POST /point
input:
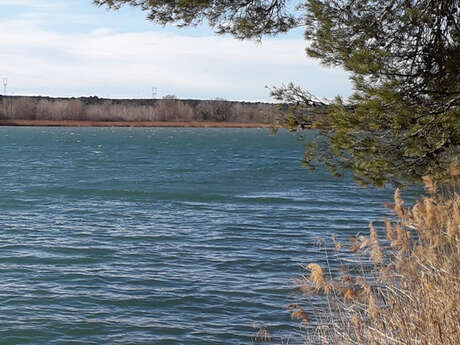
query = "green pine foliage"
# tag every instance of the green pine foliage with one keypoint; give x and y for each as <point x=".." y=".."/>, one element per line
<point x="241" y="18"/>
<point x="403" y="122"/>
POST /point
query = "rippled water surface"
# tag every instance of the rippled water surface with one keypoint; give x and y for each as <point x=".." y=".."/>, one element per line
<point x="161" y="236"/>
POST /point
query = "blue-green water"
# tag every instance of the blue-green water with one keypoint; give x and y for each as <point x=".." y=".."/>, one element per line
<point x="161" y="236"/>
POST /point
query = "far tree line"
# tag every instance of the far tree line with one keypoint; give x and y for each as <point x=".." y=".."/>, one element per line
<point x="166" y="109"/>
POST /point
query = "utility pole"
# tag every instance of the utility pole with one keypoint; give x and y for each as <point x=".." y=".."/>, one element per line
<point x="154" y="92"/>
<point x="5" y="84"/>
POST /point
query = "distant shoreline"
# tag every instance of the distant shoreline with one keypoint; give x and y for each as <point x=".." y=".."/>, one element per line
<point x="101" y="112"/>
<point x="74" y="123"/>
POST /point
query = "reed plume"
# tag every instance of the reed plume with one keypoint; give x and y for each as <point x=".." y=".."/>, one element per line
<point x="299" y="313"/>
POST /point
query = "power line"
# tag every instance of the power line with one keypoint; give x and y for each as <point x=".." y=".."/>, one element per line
<point x="5" y="84"/>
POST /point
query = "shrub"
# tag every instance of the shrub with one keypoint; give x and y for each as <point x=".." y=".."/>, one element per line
<point x="58" y="110"/>
<point x="173" y="110"/>
<point x="18" y="108"/>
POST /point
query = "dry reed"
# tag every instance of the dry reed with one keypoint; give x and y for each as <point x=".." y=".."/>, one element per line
<point x="412" y="294"/>
<point x="262" y="334"/>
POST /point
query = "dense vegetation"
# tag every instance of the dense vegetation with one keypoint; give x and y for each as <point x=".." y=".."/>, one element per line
<point x="169" y="109"/>
<point x="403" y="122"/>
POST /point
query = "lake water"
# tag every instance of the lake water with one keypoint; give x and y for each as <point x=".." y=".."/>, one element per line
<point x="161" y="236"/>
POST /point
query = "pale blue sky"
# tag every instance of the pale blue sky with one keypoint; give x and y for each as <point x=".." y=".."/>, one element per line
<point x="72" y="48"/>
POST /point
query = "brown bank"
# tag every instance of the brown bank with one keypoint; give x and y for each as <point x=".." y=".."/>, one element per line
<point x="75" y="123"/>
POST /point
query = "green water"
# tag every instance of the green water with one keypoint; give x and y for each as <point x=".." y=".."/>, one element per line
<point x="161" y="236"/>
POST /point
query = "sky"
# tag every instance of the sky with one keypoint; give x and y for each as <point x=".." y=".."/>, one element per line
<point x="72" y="48"/>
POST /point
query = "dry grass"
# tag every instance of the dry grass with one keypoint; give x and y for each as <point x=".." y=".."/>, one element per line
<point x="262" y="334"/>
<point x="411" y="295"/>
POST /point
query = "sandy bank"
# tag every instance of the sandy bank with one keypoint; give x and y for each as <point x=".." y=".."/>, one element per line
<point x="65" y="123"/>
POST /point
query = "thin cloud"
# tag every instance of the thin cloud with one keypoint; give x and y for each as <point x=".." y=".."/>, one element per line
<point x="33" y="3"/>
<point x="108" y="63"/>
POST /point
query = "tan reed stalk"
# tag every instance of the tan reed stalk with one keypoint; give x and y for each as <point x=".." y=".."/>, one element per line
<point x="416" y="298"/>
